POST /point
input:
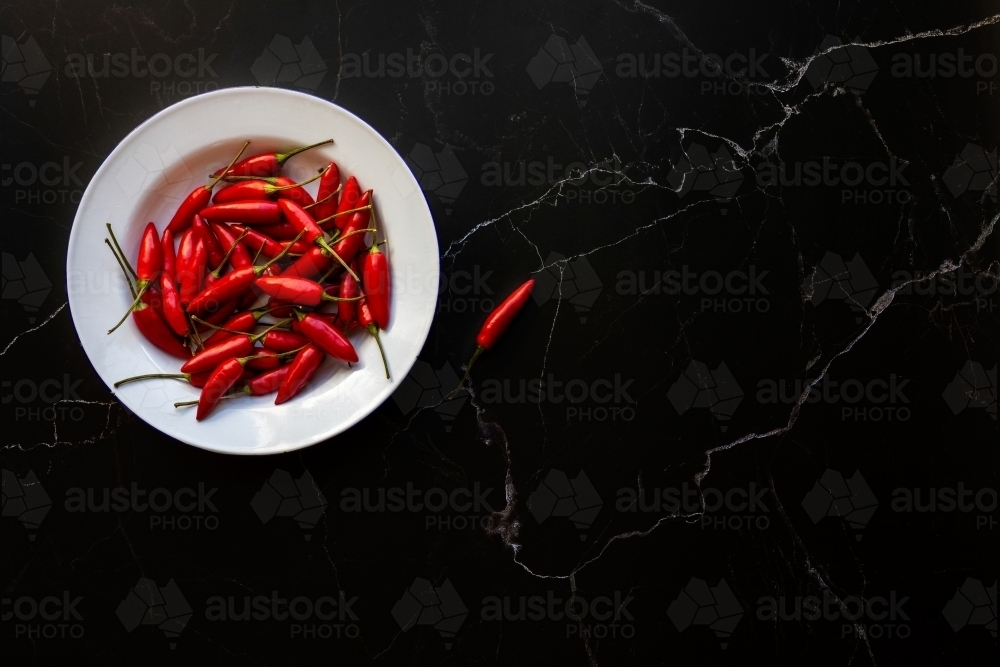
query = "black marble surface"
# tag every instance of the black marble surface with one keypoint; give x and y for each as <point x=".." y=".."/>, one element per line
<point x="707" y="242"/>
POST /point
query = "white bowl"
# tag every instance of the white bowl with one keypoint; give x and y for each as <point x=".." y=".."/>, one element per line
<point x="145" y="178"/>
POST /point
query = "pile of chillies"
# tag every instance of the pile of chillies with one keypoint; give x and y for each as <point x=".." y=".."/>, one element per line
<point x="198" y="288"/>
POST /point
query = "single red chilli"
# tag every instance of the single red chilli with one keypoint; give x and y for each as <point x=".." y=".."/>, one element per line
<point x="283" y="341"/>
<point x="173" y="309"/>
<point x="289" y="189"/>
<point x="150" y="261"/>
<point x="151" y="325"/>
<point x="265" y="164"/>
<point x="236" y="253"/>
<point x="212" y="247"/>
<point x="310" y="264"/>
<point x="197" y="200"/>
<point x="264" y="188"/>
<point x="350" y="242"/>
<point x="225" y="376"/>
<point x="299" y="218"/>
<point x="219" y="314"/>
<point x="300" y="247"/>
<point x="230" y="286"/>
<point x="325" y="336"/>
<point x="301" y="369"/>
<point x="148" y="268"/>
<point x="195" y="379"/>
<point x="236" y="324"/>
<point x="210" y="358"/>
<point x="169" y="254"/>
<point x="192" y="285"/>
<point x="264" y="360"/>
<point x="281" y="231"/>
<point x="258" y="242"/>
<point x="326" y="195"/>
<point x="367" y="321"/>
<point x="240" y="345"/>
<point x="349" y="199"/>
<point x="149" y="322"/>
<point x="185" y="252"/>
<point x="269" y="382"/>
<point x="496" y="324"/>
<point x="298" y="291"/>
<point x="347" y="289"/>
<point x="376" y="281"/>
<point x="247" y="212"/>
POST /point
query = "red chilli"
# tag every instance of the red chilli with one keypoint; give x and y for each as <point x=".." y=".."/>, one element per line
<point x="496" y="324"/>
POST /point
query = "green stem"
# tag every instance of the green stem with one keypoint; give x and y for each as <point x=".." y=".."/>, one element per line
<point x="226" y="170"/>
<point x="115" y="240"/>
<point x="152" y="376"/>
<point x="468" y="369"/>
<point x="142" y="290"/>
<point x="128" y="278"/>
<point x="281" y="157"/>
<point x="385" y="364"/>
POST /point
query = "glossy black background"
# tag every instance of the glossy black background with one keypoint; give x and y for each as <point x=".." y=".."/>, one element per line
<point x="638" y="225"/>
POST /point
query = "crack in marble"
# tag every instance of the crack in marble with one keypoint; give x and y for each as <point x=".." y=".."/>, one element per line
<point x="34" y="328"/>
